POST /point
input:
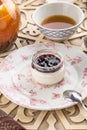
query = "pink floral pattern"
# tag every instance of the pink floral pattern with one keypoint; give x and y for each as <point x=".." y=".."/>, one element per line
<point x="17" y="85"/>
<point x="75" y="60"/>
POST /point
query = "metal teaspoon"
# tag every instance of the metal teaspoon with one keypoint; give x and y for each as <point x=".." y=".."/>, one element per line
<point x="74" y="96"/>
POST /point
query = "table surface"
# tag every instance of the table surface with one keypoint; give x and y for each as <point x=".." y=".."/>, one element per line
<point x="73" y="118"/>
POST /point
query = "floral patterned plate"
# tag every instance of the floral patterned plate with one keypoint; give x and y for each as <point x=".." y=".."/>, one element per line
<point x="17" y="85"/>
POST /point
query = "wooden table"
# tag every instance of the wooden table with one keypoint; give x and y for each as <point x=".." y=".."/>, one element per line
<point x="73" y="118"/>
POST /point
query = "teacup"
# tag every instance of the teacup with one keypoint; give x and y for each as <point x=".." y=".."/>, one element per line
<point x="58" y="8"/>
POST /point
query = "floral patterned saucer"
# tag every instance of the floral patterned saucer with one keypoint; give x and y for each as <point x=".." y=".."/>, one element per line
<point x="17" y="85"/>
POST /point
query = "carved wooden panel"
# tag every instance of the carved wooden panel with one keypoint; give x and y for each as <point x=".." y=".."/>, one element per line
<point x="74" y="118"/>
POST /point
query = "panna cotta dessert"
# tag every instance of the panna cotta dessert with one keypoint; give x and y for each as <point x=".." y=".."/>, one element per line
<point x="47" y="67"/>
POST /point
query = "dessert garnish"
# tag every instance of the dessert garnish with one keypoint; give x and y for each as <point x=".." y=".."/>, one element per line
<point x="47" y="62"/>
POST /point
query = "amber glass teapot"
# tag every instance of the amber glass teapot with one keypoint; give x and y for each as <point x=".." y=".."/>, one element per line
<point x="9" y="23"/>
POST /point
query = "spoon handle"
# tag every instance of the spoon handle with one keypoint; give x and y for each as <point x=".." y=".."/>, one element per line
<point x="85" y="108"/>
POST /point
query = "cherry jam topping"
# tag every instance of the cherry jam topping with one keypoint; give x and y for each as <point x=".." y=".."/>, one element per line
<point x="47" y="60"/>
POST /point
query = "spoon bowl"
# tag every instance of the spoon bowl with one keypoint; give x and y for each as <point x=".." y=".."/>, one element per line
<point x="74" y="96"/>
